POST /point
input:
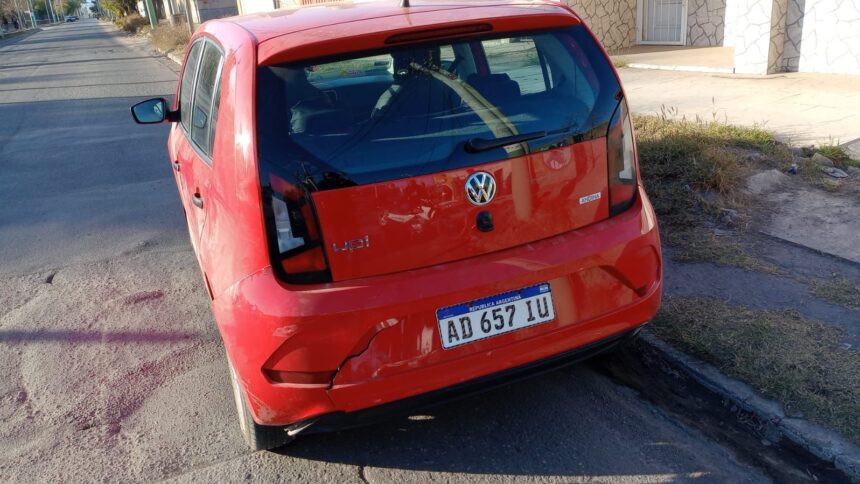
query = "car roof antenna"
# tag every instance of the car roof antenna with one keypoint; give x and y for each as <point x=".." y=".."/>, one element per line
<point x="404" y="3"/>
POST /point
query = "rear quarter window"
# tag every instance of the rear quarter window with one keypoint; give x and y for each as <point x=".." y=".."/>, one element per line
<point x="186" y="85"/>
<point x="205" y="106"/>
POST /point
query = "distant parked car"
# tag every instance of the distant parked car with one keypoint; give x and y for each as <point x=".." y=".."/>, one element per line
<point x="71" y="18"/>
<point x="394" y="205"/>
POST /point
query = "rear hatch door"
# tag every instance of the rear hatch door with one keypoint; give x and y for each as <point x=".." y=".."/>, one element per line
<point x="386" y="143"/>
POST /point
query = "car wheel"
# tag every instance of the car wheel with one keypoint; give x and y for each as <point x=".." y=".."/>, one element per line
<point x="258" y="437"/>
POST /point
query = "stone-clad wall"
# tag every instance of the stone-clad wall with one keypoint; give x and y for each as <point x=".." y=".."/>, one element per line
<point x="706" y="22"/>
<point x="823" y="36"/>
<point x="768" y="35"/>
<point x="793" y="34"/>
<point x="613" y="21"/>
<point x="776" y="51"/>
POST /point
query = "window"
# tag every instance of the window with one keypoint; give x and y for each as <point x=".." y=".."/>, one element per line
<point x="416" y="109"/>
<point x="186" y="87"/>
<point x="322" y="74"/>
<point x="204" y="111"/>
<point x="214" y="117"/>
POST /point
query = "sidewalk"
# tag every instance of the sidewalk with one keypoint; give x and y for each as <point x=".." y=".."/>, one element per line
<point x="799" y="108"/>
<point x="678" y="58"/>
<point x="14" y="34"/>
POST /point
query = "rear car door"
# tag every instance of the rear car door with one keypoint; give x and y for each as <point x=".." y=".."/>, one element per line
<point x="177" y="144"/>
<point x="199" y="100"/>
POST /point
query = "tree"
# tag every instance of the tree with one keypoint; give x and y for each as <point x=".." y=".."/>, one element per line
<point x="40" y="8"/>
<point x="119" y="8"/>
<point x="7" y="9"/>
<point x="71" y="6"/>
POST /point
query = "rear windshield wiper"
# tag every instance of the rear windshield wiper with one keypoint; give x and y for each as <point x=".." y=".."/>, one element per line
<point x="477" y="145"/>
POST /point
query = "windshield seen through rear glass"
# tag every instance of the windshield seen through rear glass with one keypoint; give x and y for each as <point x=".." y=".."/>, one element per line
<point x="421" y="109"/>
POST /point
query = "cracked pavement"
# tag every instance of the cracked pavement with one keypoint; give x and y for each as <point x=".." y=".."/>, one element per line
<point x="112" y="367"/>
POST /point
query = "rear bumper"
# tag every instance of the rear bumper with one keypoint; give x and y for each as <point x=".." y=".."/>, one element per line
<point x="345" y="420"/>
<point x="375" y="341"/>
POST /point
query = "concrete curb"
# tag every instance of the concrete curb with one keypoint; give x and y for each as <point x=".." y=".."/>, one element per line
<point x="14" y="37"/>
<point x="705" y="69"/>
<point x="177" y="58"/>
<point x="819" y="441"/>
<point x="820" y="252"/>
<point x="17" y="33"/>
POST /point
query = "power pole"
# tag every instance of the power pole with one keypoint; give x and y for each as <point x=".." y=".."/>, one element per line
<point x="32" y="14"/>
<point x="20" y="18"/>
<point x="150" y="14"/>
<point x="188" y="16"/>
<point x="50" y="11"/>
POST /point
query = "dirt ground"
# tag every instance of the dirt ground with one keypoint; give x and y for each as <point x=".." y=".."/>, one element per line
<point x="800" y="270"/>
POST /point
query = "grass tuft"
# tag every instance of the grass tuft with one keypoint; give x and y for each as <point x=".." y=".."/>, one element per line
<point x="839" y="290"/>
<point x="132" y="23"/>
<point x="694" y="172"/>
<point x="802" y="363"/>
<point x="171" y="37"/>
<point x="837" y="155"/>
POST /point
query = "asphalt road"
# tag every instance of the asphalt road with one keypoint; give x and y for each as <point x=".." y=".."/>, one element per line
<point x="111" y="368"/>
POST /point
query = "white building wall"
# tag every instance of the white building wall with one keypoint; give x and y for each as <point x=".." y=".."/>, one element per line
<point x="255" y="6"/>
<point x="823" y="36"/>
<point x="748" y="28"/>
<point x="212" y="9"/>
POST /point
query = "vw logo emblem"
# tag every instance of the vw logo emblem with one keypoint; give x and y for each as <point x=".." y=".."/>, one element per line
<point x="480" y="188"/>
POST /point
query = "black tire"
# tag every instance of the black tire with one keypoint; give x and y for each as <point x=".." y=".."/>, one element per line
<point x="258" y="437"/>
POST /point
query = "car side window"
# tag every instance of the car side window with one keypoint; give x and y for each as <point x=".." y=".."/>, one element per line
<point x="186" y="86"/>
<point x="206" y="99"/>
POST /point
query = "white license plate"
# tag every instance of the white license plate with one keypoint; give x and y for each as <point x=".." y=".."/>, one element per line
<point x="494" y="315"/>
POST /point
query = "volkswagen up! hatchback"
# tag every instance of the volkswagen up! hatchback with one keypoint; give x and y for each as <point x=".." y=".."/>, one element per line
<point x="396" y="205"/>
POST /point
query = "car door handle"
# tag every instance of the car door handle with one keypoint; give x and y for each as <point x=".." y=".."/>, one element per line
<point x="197" y="200"/>
<point x="176" y="165"/>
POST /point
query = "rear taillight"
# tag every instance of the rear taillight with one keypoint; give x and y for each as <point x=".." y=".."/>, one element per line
<point x="294" y="236"/>
<point x="621" y="160"/>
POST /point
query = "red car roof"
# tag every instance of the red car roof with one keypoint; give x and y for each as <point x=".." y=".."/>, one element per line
<point x="267" y="25"/>
<point x="303" y="29"/>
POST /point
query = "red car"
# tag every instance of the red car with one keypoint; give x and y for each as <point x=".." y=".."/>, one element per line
<point x="396" y="205"/>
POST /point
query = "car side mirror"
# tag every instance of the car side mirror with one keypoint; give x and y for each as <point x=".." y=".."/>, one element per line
<point x="152" y="111"/>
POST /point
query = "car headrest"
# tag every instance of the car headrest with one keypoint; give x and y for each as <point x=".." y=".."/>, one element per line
<point x="497" y="88"/>
<point x="426" y="56"/>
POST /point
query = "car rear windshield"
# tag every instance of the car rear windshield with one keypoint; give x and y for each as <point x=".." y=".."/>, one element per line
<point x="419" y="109"/>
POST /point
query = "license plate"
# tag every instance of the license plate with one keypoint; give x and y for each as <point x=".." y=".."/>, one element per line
<point x="494" y="315"/>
